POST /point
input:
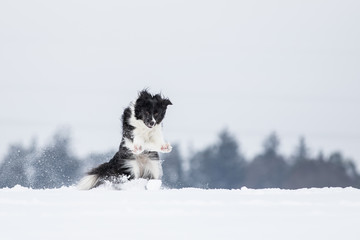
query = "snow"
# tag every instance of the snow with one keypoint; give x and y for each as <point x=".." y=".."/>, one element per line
<point x="67" y="213"/>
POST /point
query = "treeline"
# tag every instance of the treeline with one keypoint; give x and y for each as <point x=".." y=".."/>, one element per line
<point x="221" y="165"/>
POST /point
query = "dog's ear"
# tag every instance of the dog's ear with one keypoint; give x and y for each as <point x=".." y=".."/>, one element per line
<point x="144" y="94"/>
<point x="166" y="102"/>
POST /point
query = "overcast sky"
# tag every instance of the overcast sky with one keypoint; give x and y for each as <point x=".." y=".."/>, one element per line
<point x="252" y="66"/>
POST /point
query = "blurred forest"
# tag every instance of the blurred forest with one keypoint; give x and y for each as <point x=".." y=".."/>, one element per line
<point x="221" y="165"/>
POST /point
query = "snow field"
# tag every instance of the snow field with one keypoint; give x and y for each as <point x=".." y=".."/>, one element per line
<point x="66" y="213"/>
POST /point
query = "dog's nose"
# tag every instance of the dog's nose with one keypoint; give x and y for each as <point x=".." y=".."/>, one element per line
<point x="152" y="123"/>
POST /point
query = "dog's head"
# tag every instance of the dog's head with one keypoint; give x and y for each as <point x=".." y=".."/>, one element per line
<point x="151" y="109"/>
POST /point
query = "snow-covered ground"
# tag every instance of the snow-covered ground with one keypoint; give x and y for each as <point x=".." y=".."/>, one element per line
<point x="67" y="213"/>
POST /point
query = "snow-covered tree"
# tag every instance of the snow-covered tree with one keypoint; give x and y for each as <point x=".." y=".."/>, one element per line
<point x="302" y="152"/>
<point x="16" y="166"/>
<point x="218" y="166"/>
<point x="268" y="169"/>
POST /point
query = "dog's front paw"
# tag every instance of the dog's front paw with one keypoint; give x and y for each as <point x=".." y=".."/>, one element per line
<point x="137" y="149"/>
<point x="166" y="148"/>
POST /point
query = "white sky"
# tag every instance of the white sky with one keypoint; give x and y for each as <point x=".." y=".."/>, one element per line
<point x="253" y="66"/>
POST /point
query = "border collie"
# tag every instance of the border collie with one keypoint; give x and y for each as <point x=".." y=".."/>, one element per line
<point x="141" y="141"/>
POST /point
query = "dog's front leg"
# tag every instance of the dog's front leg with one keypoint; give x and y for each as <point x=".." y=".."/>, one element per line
<point x="136" y="145"/>
<point x="157" y="143"/>
<point x="158" y="147"/>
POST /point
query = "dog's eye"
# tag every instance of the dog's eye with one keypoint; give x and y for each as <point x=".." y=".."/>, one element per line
<point x="156" y="114"/>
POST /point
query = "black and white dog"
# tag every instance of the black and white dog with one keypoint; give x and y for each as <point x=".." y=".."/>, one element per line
<point x="141" y="141"/>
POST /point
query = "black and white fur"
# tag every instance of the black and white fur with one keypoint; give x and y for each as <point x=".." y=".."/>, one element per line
<point x="141" y="141"/>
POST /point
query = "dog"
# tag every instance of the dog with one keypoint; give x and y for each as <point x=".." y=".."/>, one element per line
<point x="142" y="140"/>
